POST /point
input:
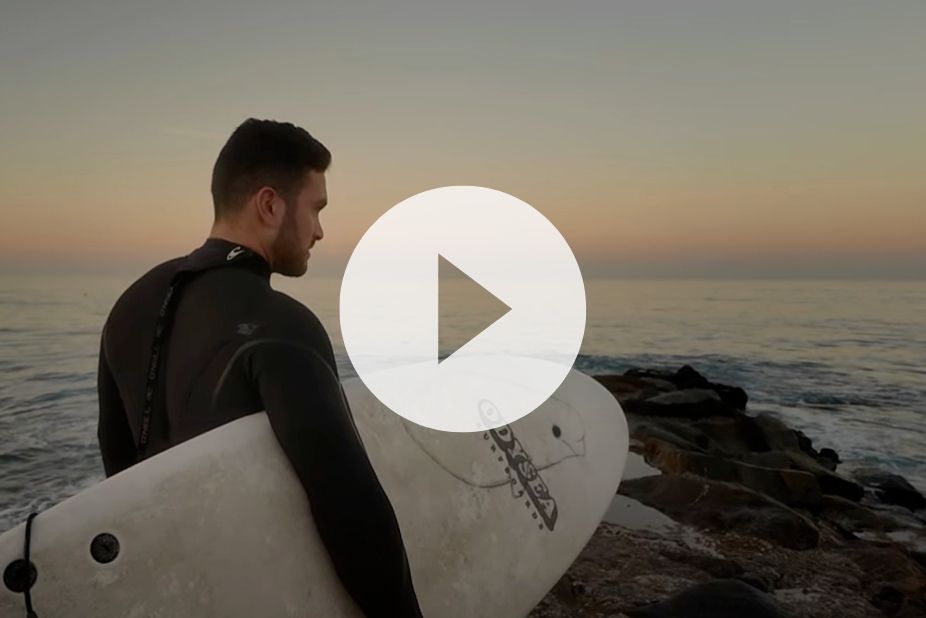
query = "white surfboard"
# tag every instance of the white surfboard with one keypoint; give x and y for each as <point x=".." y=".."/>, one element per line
<point x="490" y="520"/>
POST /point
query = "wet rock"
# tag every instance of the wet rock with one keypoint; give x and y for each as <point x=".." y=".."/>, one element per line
<point x="689" y="403"/>
<point x="727" y="598"/>
<point x="788" y="486"/>
<point x="888" y="599"/>
<point x="805" y="444"/>
<point x="688" y="396"/>
<point x="622" y="569"/>
<point x="776" y="435"/>
<point x="852" y="517"/>
<point x="760" y="583"/>
<point x="828" y="458"/>
<point x="680" y="434"/>
<point x="891" y="488"/>
<point x="770" y="509"/>
<point x="896" y="583"/>
<point x="713" y="565"/>
<point x="717" y="505"/>
<point x="733" y="436"/>
<point x="630" y="388"/>
<point x="830" y="482"/>
<point x="686" y="377"/>
<point x="771" y="459"/>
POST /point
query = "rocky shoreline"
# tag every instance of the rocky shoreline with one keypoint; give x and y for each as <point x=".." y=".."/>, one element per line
<point x="723" y="513"/>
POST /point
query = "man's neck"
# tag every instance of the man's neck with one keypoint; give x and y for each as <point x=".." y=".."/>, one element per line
<point x="239" y="237"/>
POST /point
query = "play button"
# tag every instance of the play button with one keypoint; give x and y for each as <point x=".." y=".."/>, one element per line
<point x="476" y="298"/>
<point x="521" y="287"/>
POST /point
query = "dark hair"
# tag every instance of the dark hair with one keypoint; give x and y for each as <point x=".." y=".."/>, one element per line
<point x="264" y="153"/>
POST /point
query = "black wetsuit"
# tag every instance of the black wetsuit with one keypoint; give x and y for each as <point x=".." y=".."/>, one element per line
<point x="230" y="346"/>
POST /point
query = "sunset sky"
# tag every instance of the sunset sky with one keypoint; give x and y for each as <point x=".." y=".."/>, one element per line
<point x="686" y="138"/>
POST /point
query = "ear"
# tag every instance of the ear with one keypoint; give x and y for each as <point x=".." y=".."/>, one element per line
<point x="270" y="207"/>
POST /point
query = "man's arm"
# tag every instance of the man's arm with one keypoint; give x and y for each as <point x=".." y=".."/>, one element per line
<point x="117" y="446"/>
<point x="355" y="520"/>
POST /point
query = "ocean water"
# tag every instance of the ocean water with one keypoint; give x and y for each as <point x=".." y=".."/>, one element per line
<point x="845" y="361"/>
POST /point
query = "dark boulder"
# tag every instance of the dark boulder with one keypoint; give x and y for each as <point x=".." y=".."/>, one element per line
<point x="793" y="487"/>
<point x="686" y="377"/>
<point x="630" y="388"/>
<point x="677" y="433"/>
<point x="733" y="435"/>
<point x="775" y="434"/>
<point x="830" y="482"/>
<point x="852" y="517"/>
<point x="717" y="505"/>
<point x="726" y="598"/>
<point x="889" y="600"/>
<point x="891" y="488"/>
<point x="828" y="458"/>
<point x="896" y="583"/>
<point x="687" y="403"/>
<point x="805" y="444"/>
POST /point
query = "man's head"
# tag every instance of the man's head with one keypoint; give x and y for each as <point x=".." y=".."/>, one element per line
<point x="268" y="186"/>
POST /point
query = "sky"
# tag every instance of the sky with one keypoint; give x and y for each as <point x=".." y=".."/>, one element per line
<point x="666" y="139"/>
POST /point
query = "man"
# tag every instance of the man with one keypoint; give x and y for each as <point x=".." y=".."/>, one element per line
<point x="202" y="340"/>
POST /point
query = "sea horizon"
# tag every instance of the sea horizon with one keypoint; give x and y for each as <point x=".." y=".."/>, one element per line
<point x="841" y="360"/>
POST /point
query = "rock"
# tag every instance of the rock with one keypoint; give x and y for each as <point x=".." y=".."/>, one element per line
<point x="828" y="458"/>
<point x="661" y="385"/>
<point x="733" y="436"/>
<point x="852" y="517"/>
<point x="681" y="434"/>
<point x="788" y="486"/>
<point x="716" y="567"/>
<point x="636" y="467"/>
<point x="772" y="459"/>
<point x="830" y="482"/>
<point x="687" y="377"/>
<point x="888" y="599"/>
<point x="733" y="395"/>
<point x="629" y="388"/>
<point x="725" y="598"/>
<point x="632" y="515"/>
<point x="621" y="570"/>
<point x="891" y="488"/>
<point x="762" y="584"/>
<point x="896" y="584"/>
<point x="776" y="435"/>
<point x="718" y="505"/>
<point x="688" y="396"/>
<point x="689" y="403"/>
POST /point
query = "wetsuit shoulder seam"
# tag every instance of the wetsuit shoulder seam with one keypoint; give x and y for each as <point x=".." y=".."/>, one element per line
<point x="254" y="343"/>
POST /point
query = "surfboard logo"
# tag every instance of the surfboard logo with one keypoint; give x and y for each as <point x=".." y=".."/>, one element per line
<point x="526" y="481"/>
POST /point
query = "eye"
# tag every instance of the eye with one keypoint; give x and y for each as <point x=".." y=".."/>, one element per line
<point x="556" y="431"/>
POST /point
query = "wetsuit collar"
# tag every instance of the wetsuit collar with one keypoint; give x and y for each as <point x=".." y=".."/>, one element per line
<point x="218" y="252"/>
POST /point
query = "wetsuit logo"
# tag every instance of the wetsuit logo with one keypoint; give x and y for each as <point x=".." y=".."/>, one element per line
<point x="234" y="253"/>
<point x="246" y="328"/>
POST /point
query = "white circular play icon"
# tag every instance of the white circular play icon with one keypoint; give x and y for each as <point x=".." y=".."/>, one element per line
<point x="390" y="308"/>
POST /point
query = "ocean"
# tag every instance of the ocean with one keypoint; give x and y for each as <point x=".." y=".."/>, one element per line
<point x="844" y="361"/>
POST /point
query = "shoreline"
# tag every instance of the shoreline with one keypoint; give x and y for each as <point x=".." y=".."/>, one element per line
<point x="720" y="508"/>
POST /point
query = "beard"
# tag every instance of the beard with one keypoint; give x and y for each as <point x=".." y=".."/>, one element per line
<point x="289" y="257"/>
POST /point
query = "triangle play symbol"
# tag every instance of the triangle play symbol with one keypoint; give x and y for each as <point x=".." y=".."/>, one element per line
<point x="464" y="308"/>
